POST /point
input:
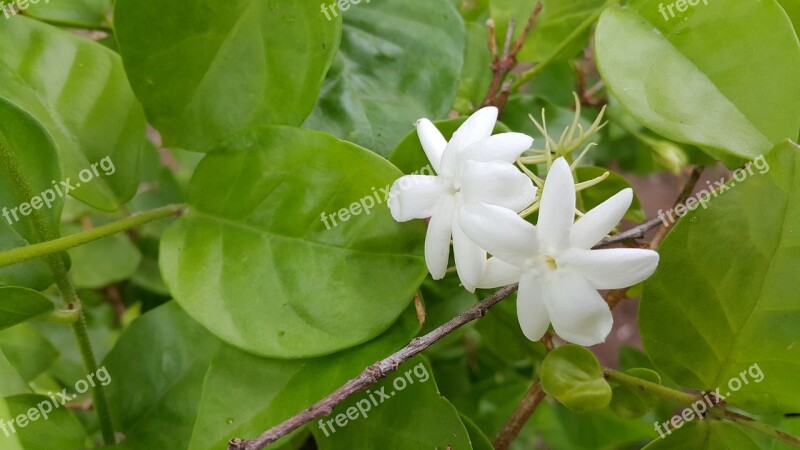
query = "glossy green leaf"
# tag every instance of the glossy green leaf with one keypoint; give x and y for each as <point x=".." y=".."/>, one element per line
<point x="691" y="83"/>
<point x="478" y="440"/>
<point x="729" y="274"/>
<point x="58" y="428"/>
<point x="19" y="304"/>
<point x="78" y="90"/>
<point x="404" y="412"/>
<point x="94" y="14"/>
<point x="475" y="78"/>
<point x="599" y="193"/>
<point x="792" y="9"/>
<point x="574" y="377"/>
<point x="195" y="392"/>
<point x="631" y="403"/>
<point x="205" y="70"/>
<point x="289" y="249"/>
<point x="24" y="174"/>
<point x="27" y="350"/>
<point x="705" y="435"/>
<point x="100" y="263"/>
<point x="397" y="63"/>
<point x="557" y="20"/>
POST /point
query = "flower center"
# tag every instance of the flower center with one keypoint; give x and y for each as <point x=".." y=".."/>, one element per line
<point x="551" y="263"/>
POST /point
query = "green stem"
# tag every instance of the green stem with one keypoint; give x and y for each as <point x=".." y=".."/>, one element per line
<point x="648" y="387"/>
<point x="23" y="254"/>
<point x="753" y="424"/>
<point x="585" y="25"/>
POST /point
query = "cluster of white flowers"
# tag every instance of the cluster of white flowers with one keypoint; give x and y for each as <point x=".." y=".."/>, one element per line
<point x="475" y="199"/>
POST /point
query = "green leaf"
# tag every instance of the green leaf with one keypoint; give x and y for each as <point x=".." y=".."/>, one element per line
<point x="631" y="403"/>
<point x="574" y="377"/>
<point x="24" y="174"/>
<point x="379" y="417"/>
<point x="599" y="193"/>
<point x="792" y="8"/>
<point x="13" y="383"/>
<point x="705" y="435"/>
<point x="555" y="23"/>
<point x="45" y="426"/>
<point x="19" y="304"/>
<point x="397" y="64"/>
<point x="195" y="392"/>
<point x="728" y="273"/>
<point x="478" y="440"/>
<point x="685" y="80"/>
<point x="205" y="70"/>
<point x="27" y="350"/>
<point x="73" y="13"/>
<point x="260" y="261"/>
<point x="103" y="262"/>
<point x="475" y="76"/>
<point x="78" y="90"/>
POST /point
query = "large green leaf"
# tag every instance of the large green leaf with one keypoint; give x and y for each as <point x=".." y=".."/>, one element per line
<point x="13" y="383"/>
<point x="73" y="13"/>
<point x="689" y="81"/>
<point x="25" y="174"/>
<point x="205" y="69"/>
<point x="27" y="350"/>
<point x="45" y="426"/>
<point x="100" y="263"/>
<point x="399" y="61"/>
<point x="404" y="412"/>
<point x="728" y="275"/>
<point x="193" y="391"/>
<point x="19" y="304"/>
<point x="261" y="263"/>
<point x="78" y="90"/>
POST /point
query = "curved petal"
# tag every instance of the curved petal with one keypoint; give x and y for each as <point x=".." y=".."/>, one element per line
<point x="531" y="311"/>
<point x="499" y="273"/>
<point x="611" y="268"/>
<point x="597" y="223"/>
<point x="437" y="241"/>
<point x="470" y="258"/>
<point x="578" y="312"/>
<point x="416" y="196"/>
<point x="500" y="147"/>
<point x="557" y="210"/>
<point x="478" y="126"/>
<point x="496" y="183"/>
<point x="500" y="232"/>
<point x="432" y="142"/>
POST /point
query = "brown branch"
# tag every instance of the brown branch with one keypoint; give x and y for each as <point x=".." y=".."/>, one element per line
<point x="371" y="374"/>
<point x="497" y="95"/>
<point x="533" y="397"/>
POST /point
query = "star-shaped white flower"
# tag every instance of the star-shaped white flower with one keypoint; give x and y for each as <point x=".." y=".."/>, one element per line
<point x="473" y="168"/>
<point x="557" y="271"/>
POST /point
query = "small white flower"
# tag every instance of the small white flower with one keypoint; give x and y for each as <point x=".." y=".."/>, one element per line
<point x="473" y="168"/>
<point x="557" y="271"/>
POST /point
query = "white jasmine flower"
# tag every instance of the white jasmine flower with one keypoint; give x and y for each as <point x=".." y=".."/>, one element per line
<point x="557" y="271"/>
<point x="473" y="168"/>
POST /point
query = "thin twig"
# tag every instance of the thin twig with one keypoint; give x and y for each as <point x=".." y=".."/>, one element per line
<point x="371" y="374"/>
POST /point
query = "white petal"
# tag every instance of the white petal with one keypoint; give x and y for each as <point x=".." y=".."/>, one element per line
<point x="437" y="241"/>
<point x="611" y="268"/>
<point x="531" y="311"/>
<point x="578" y="312"/>
<point x="478" y="126"/>
<point x="432" y="142"/>
<point x="557" y="210"/>
<point x="499" y="273"/>
<point x="500" y="232"/>
<point x="500" y="147"/>
<point x="416" y="196"/>
<point x="597" y="223"/>
<point x="497" y="183"/>
<point x="470" y="258"/>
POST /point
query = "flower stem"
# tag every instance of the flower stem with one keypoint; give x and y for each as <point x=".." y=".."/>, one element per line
<point x="648" y="387"/>
<point x="585" y="25"/>
<point x="23" y="254"/>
